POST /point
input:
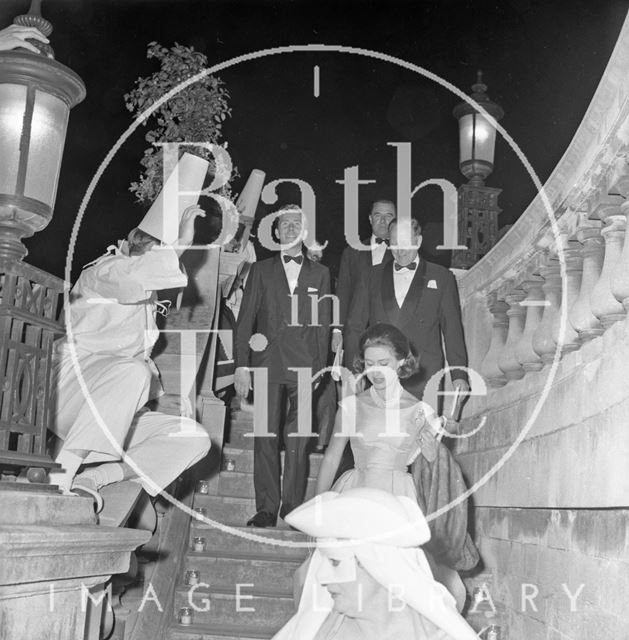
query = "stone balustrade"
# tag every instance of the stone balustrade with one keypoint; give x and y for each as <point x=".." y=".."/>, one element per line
<point x="555" y="289"/>
<point x="534" y="305"/>
<point x="564" y="334"/>
<point x="604" y="304"/>
<point x="489" y="369"/>
<point x="544" y="446"/>
<point x="580" y="290"/>
<point x="508" y="360"/>
<point x="542" y="339"/>
<point x="562" y="290"/>
<point x="620" y="277"/>
<point x="581" y="317"/>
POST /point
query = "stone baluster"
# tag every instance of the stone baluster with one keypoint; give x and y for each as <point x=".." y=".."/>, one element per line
<point x="566" y="336"/>
<point x="604" y="304"/>
<point x="543" y="342"/>
<point x="587" y="325"/>
<point x="489" y="369"/>
<point x="508" y="360"/>
<point x="620" y="277"/>
<point x="534" y="305"/>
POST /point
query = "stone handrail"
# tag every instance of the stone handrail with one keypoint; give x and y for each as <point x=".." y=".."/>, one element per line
<point x="588" y="171"/>
<point x="545" y="321"/>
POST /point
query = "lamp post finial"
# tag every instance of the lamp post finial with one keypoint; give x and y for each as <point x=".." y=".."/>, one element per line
<point x="35" y="19"/>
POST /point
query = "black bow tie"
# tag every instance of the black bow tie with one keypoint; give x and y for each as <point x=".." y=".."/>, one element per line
<point x="297" y="259"/>
<point x="381" y="240"/>
<point x="411" y="266"/>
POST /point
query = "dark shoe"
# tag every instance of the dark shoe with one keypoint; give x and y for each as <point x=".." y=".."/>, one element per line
<point x="262" y="519"/>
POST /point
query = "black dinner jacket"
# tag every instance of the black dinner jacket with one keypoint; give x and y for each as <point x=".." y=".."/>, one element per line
<point x="354" y="265"/>
<point x="431" y="308"/>
<point x="266" y="309"/>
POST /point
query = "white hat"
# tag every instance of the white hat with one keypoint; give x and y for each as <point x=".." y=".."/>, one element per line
<point x="359" y="516"/>
<point x="365" y="515"/>
<point x="249" y="197"/>
<point x="181" y="190"/>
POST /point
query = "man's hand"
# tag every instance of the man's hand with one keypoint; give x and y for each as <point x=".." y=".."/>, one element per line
<point x="242" y="381"/>
<point x="186" y="226"/>
<point x="337" y="341"/>
<point x="461" y="391"/>
<point x="174" y="405"/>
<point x="15" y="36"/>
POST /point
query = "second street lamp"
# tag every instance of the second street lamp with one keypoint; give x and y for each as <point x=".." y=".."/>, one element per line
<point x="36" y="95"/>
<point x="478" y="205"/>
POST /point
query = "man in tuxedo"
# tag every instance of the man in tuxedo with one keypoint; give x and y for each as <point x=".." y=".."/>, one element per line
<point x="355" y="263"/>
<point x="419" y="298"/>
<point x="278" y="310"/>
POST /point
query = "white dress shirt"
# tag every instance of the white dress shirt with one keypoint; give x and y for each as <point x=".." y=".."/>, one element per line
<point x="402" y="281"/>
<point x="292" y="270"/>
<point x="377" y="251"/>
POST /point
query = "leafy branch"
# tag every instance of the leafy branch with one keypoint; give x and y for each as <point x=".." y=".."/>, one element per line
<point x="194" y="114"/>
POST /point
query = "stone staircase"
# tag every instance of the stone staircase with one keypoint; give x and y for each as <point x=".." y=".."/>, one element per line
<point x="244" y="588"/>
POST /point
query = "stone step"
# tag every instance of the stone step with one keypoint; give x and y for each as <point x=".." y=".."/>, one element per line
<point x="219" y="632"/>
<point x="251" y="610"/>
<point x="233" y="512"/>
<point x="243" y="437"/>
<point x="270" y="577"/>
<point x="235" y="484"/>
<point x="243" y="459"/>
<point x="244" y="440"/>
<point x="230" y="511"/>
<point x="18" y="506"/>
<point x="229" y="543"/>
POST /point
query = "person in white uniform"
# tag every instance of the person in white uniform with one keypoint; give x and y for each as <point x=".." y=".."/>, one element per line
<point x="102" y="415"/>
<point x="368" y="578"/>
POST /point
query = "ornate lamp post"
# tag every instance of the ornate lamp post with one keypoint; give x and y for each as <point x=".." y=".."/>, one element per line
<point x="478" y="205"/>
<point x="36" y="95"/>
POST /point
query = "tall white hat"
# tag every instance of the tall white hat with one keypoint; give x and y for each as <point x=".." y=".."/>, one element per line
<point x="181" y="190"/>
<point x="247" y="201"/>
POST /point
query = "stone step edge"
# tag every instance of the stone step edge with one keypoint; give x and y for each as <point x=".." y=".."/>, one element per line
<point x="240" y="632"/>
<point x="228" y="591"/>
<point x="249" y="474"/>
<point x="232" y="524"/>
<point x="226" y="554"/>
<point x="229" y="448"/>
<point x="286" y="535"/>
<point x="292" y="533"/>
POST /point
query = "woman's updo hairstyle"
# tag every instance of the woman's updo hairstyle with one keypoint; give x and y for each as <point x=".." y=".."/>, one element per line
<point x="386" y="335"/>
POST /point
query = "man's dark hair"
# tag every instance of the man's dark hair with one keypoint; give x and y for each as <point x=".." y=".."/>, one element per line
<point x="382" y="197"/>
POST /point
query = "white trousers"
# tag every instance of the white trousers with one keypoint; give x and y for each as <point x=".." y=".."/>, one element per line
<point x="160" y="446"/>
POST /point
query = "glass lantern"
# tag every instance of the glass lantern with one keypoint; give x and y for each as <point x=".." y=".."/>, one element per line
<point x="477" y="135"/>
<point x="36" y="95"/>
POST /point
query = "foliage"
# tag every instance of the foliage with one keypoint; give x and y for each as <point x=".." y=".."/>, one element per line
<point x="194" y="114"/>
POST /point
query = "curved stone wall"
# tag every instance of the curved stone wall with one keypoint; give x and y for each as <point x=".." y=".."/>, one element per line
<point x="545" y="316"/>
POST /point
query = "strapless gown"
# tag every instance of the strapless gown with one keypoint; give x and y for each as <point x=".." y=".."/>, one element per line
<point x="384" y="441"/>
<point x="381" y="460"/>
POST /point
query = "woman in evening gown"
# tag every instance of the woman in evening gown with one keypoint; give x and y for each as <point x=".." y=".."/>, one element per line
<point x="387" y="428"/>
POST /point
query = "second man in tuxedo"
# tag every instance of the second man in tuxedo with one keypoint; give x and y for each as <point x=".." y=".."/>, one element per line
<point x="421" y="299"/>
<point x="356" y="264"/>
<point x="278" y="311"/>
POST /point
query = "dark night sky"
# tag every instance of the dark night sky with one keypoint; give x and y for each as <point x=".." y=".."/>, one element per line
<point x="542" y="61"/>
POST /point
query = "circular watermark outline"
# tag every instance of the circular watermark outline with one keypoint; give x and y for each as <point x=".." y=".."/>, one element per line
<point x="320" y="48"/>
